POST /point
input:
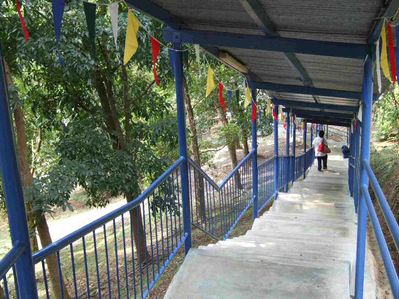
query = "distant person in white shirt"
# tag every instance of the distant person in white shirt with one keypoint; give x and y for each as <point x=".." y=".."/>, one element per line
<point x="320" y="155"/>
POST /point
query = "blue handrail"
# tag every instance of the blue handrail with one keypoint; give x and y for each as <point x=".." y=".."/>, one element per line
<point x="61" y="243"/>
<point x="387" y="212"/>
<point x="11" y="258"/>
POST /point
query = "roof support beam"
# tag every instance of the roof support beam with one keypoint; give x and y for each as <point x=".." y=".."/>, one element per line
<point x="299" y="105"/>
<point x="328" y="121"/>
<point x="277" y="44"/>
<point x="307" y="90"/>
<point x="256" y="11"/>
<point x="308" y="113"/>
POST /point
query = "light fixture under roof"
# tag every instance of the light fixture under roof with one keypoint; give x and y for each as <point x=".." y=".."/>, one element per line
<point x="233" y="62"/>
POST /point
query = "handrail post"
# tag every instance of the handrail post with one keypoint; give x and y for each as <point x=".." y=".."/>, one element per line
<point x="276" y="164"/>
<point x="351" y="161"/>
<point x="305" y="129"/>
<point x="14" y="198"/>
<point x="287" y="151"/>
<point x="293" y="147"/>
<point x="356" y="161"/>
<point x="367" y="102"/>
<point x="254" y="157"/>
<point x="181" y="121"/>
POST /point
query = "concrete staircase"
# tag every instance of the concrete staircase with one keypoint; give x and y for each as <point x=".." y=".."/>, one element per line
<point x="303" y="247"/>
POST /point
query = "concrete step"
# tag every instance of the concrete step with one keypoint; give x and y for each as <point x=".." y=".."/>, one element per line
<point x="204" y="276"/>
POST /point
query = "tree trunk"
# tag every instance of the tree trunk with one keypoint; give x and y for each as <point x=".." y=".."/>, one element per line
<point x="2" y="295"/>
<point x="34" y="219"/>
<point x="199" y="182"/>
<point x="51" y="260"/>
<point x="244" y="141"/>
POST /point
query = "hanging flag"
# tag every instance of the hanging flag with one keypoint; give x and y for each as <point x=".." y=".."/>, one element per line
<point x="248" y="97"/>
<point x="58" y="12"/>
<point x="221" y="99"/>
<point x="254" y="112"/>
<point x="384" y="57"/>
<point x="155" y="47"/>
<point x="378" y="66"/>
<point x="90" y="13"/>
<point x="275" y="117"/>
<point x="22" y="21"/>
<point x="210" y="82"/>
<point x="113" y="12"/>
<point x="397" y="49"/>
<point x="131" y="43"/>
<point x="283" y="121"/>
<point x="391" y="53"/>
<point x="230" y="100"/>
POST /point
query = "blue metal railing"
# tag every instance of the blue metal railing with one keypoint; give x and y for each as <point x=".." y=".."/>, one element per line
<point x="123" y="253"/>
<point x="216" y="209"/>
<point x="390" y="220"/>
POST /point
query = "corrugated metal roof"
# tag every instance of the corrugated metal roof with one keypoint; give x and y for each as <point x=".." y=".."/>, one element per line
<point x="334" y="20"/>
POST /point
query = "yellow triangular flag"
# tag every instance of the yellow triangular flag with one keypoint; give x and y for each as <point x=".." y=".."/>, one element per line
<point x="131" y="43"/>
<point x="384" y="54"/>
<point x="248" y="97"/>
<point x="210" y="82"/>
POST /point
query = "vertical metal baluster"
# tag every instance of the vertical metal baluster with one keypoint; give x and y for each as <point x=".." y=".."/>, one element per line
<point x="162" y="233"/>
<point x="45" y="279"/>
<point x="116" y="258"/>
<point x="166" y="227"/>
<point x="170" y="190"/>
<point x="97" y="269"/>
<point x="179" y="205"/>
<point x="125" y="257"/>
<point x="175" y="211"/>
<point x="195" y="218"/>
<point x="156" y="236"/>
<point x="107" y="261"/>
<point x="191" y="190"/>
<point x="141" y="207"/>
<point x="73" y="270"/>
<point x="5" y="284"/>
<point x="209" y="219"/>
<point x="151" y="243"/>
<point x="60" y="272"/>
<point x="15" y="282"/>
<point x="86" y="267"/>
<point x="133" y="259"/>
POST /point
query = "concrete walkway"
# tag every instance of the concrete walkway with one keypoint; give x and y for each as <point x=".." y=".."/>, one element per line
<point x="303" y="247"/>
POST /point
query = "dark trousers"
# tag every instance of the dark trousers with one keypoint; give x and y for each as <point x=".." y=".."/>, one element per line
<point x="319" y="159"/>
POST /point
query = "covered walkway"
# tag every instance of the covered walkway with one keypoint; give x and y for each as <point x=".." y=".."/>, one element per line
<point x="303" y="247"/>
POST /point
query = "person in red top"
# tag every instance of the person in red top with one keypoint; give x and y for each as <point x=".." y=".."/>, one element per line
<point x="321" y="157"/>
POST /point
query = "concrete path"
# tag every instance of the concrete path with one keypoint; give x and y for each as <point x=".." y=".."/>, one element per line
<point x="303" y="247"/>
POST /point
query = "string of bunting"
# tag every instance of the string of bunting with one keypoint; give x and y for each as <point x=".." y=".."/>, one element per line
<point x="131" y="46"/>
<point x="386" y="60"/>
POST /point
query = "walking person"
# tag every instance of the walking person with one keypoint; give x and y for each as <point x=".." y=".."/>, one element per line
<point x="320" y="146"/>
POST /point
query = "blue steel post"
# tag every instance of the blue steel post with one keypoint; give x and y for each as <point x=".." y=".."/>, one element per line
<point x="351" y="161"/>
<point x="367" y="102"/>
<point x="254" y="158"/>
<point x="356" y="161"/>
<point x="14" y="196"/>
<point x="293" y="147"/>
<point x="305" y="132"/>
<point x="287" y="151"/>
<point x="181" y="121"/>
<point x="276" y="166"/>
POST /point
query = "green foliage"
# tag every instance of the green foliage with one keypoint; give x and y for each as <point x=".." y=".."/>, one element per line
<point x="386" y="115"/>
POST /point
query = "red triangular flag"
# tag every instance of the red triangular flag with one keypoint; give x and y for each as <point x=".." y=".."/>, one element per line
<point x="275" y="113"/>
<point x="155" y="46"/>
<point x="23" y="24"/>
<point x="392" y="59"/>
<point x="221" y="99"/>
<point x="254" y="113"/>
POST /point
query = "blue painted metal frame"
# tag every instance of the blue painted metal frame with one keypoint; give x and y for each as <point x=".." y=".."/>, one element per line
<point x="305" y="132"/>
<point x="308" y="90"/>
<point x="181" y="122"/>
<point x="276" y="160"/>
<point x="367" y="101"/>
<point x="293" y="146"/>
<point x="11" y="258"/>
<point x="276" y="44"/>
<point x="301" y="104"/>
<point x="14" y="198"/>
<point x="287" y="150"/>
<point x="255" y="157"/>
